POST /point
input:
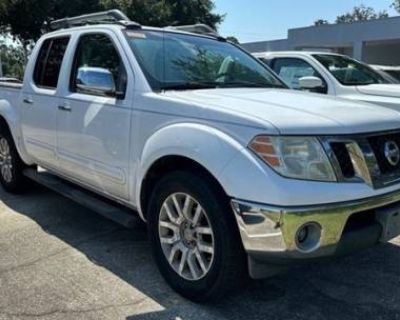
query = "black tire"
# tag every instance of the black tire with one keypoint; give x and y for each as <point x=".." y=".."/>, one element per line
<point x="17" y="183"/>
<point x="228" y="267"/>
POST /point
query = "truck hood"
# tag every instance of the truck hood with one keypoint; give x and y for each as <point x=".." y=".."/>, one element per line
<point x="290" y="112"/>
<point x="383" y="90"/>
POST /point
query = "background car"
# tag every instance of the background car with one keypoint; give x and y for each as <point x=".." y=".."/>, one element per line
<point x="333" y="74"/>
<point x="392" y="71"/>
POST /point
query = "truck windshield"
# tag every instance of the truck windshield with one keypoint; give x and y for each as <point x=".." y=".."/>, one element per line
<point x="173" y="61"/>
<point x="350" y="72"/>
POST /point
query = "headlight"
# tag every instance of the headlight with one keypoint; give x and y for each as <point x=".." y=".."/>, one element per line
<point x="294" y="157"/>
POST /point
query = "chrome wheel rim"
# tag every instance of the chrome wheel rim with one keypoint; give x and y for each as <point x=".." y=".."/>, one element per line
<point x="5" y="160"/>
<point x="186" y="236"/>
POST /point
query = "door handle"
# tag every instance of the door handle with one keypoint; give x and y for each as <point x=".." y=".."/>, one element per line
<point x="28" y="101"/>
<point x="65" y="108"/>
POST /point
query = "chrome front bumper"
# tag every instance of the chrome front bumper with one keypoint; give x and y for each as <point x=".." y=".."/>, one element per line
<point x="269" y="233"/>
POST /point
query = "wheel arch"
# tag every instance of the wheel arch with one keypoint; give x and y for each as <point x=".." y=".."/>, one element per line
<point x="8" y="117"/>
<point x="192" y="146"/>
<point x="168" y="164"/>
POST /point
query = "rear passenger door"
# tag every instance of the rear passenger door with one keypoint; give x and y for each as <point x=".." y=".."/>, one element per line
<point x="94" y="117"/>
<point x="40" y="101"/>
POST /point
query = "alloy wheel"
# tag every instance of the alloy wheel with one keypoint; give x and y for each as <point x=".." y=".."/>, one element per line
<point x="5" y="160"/>
<point x="186" y="236"/>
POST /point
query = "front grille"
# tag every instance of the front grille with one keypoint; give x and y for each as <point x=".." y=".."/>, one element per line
<point x="378" y="146"/>
<point x="344" y="160"/>
<point x="363" y="158"/>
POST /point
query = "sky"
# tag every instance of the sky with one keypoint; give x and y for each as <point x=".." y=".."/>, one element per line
<point x="257" y="20"/>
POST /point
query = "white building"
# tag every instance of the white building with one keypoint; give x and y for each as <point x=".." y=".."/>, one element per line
<point x="374" y="41"/>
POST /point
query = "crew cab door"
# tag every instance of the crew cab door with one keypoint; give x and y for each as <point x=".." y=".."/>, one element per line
<point x="94" y="117"/>
<point x="40" y="100"/>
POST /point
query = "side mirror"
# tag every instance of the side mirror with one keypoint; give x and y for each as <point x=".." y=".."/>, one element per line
<point x="311" y="83"/>
<point x="97" y="81"/>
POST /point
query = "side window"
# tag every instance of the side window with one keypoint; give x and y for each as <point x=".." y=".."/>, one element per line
<point x="292" y="69"/>
<point x="98" y="68"/>
<point x="49" y="61"/>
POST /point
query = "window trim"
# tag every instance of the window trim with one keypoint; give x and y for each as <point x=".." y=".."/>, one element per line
<point x="51" y="40"/>
<point x="73" y="72"/>
<point x="273" y="61"/>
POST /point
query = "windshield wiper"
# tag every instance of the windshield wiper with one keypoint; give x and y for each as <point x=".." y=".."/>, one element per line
<point x="191" y="85"/>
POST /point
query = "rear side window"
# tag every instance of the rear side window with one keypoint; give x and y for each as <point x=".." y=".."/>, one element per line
<point x="49" y="61"/>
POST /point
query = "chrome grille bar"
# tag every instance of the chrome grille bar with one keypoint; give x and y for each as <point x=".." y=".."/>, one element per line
<point x="363" y="160"/>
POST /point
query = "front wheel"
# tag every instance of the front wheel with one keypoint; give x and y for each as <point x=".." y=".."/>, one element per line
<point x="194" y="236"/>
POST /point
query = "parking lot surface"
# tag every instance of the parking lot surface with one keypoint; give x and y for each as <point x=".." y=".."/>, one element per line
<point x="59" y="260"/>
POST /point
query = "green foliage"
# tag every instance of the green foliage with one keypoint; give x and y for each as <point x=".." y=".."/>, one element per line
<point x="321" y="22"/>
<point x="361" y="13"/>
<point x="233" y="39"/>
<point x="25" y="18"/>
<point x="396" y="5"/>
<point x="13" y="58"/>
<point x="167" y="12"/>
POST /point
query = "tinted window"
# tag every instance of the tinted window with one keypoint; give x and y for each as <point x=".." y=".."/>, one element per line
<point x="350" y="72"/>
<point x="49" y="61"/>
<point x="98" y="68"/>
<point x="177" y="61"/>
<point x="292" y="69"/>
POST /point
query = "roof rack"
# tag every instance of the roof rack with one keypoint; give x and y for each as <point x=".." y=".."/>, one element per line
<point x="198" y="28"/>
<point x="111" y="16"/>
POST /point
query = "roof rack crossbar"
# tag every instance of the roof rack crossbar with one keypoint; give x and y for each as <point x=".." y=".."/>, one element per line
<point x="198" y="28"/>
<point x="111" y="16"/>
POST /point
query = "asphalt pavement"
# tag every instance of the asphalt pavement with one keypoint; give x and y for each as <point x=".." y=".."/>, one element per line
<point x="59" y="260"/>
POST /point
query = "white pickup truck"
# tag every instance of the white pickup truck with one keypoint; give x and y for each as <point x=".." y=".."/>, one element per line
<point x="333" y="74"/>
<point x="234" y="173"/>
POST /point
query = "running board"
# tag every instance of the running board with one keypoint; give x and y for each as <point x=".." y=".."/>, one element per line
<point x="108" y="209"/>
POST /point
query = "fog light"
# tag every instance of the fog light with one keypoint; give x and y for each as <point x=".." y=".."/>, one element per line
<point x="308" y="237"/>
<point x="302" y="235"/>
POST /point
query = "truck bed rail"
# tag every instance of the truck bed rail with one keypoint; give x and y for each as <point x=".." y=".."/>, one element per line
<point x="11" y="85"/>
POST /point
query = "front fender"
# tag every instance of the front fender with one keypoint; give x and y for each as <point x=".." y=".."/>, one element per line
<point x="208" y="146"/>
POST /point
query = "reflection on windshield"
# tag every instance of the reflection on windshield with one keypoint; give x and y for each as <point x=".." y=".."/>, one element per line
<point x="349" y="72"/>
<point x="178" y="61"/>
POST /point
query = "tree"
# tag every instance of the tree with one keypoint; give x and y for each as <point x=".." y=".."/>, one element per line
<point x="233" y="39"/>
<point x="162" y="13"/>
<point x="12" y="59"/>
<point x="396" y="5"/>
<point x="361" y="13"/>
<point x="24" y="18"/>
<point x="321" y="22"/>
